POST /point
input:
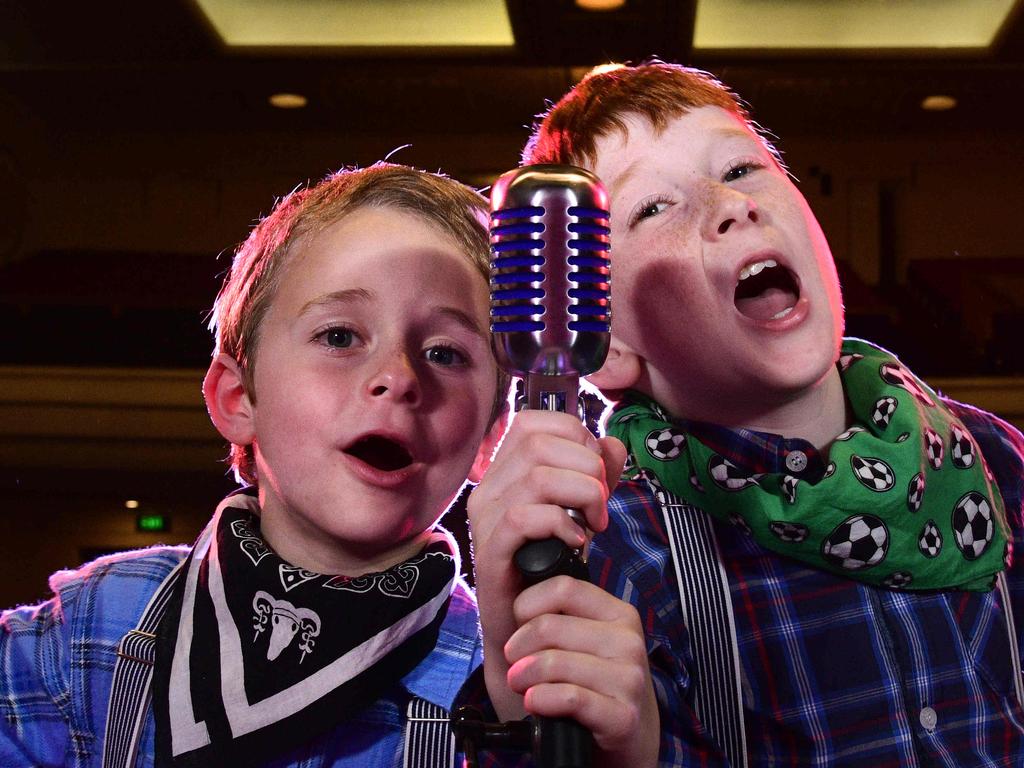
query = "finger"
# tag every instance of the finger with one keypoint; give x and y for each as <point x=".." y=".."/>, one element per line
<point x="611" y="720"/>
<point x="621" y="679"/>
<point x="564" y="425"/>
<point x="541" y="449"/>
<point x="557" y="632"/>
<point x="532" y="522"/>
<point x="574" y="597"/>
<point x="613" y="454"/>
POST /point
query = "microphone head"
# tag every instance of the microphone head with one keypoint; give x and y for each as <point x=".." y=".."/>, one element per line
<point x="550" y="271"/>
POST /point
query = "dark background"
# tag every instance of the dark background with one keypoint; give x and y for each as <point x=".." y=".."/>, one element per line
<point x="136" y="150"/>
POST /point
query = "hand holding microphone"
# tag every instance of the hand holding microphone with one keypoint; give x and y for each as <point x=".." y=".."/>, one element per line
<point x="550" y="304"/>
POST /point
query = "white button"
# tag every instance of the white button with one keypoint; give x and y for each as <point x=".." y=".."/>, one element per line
<point x="796" y="461"/>
<point x="929" y="719"/>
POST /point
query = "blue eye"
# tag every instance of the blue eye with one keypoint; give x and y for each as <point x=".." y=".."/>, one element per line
<point x="649" y="208"/>
<point x="741" y="170"/>
<point x="445" y="355"/>
<point x="339" y="338"/>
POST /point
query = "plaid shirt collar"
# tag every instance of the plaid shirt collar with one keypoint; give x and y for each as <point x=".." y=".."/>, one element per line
<point x="758" y="452"/>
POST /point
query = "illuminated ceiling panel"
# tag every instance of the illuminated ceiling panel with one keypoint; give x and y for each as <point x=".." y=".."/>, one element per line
<point x="359" y="23"/>
<point x="849" y="24"/>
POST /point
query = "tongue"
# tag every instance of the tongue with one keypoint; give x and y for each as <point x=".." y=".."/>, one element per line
<point x="766" y="304"/>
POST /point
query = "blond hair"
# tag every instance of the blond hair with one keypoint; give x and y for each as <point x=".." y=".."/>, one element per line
<point x="261" y="260"/>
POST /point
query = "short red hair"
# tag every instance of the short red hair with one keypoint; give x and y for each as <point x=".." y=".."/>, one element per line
<point x="598" y="105"/>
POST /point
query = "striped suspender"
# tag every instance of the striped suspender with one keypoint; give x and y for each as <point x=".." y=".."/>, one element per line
<point x="1011" y="629"/>
<point x="429" y="741"/>
<point x="133" y="673"/>
<point x="707" y="613"/>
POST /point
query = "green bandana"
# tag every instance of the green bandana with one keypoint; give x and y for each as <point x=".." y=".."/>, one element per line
<point x="907" y="500"/>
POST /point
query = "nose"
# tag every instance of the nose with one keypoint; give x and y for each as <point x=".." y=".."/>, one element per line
<point x="396" y="379"/>
<point x="731" y="209"/>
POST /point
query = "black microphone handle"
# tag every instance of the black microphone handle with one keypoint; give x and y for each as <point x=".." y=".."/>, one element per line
<point x="559" y="742"/>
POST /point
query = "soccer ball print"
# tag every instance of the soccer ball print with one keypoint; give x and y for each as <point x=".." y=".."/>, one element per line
<point x="930" y="541"/>
<point x="895" y="374"/>
<point x="874" y="474"/>
<point x="933" y="447"/>
<point x="898" y="580"/>
<point x="665" y="444"/>
<point x="884" y="409"/>
<point x="915" y="492"/>
<point x="727" y="475"/>
<point x="789" y="485"/>
<point x="858" y="542"/>
<point x="791" y="533"/>
<point x="973" y="525"/>
<point x="961" y="449"/>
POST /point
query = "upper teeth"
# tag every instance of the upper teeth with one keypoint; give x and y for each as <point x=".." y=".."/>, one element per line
<point x="756" y="268"/>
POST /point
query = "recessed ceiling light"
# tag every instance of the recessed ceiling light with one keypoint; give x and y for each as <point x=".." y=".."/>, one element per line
<point x="600" y="5"/>
<point x="131" y="504"/>
<point x="288" y="100"/>
<point x="938" y="103"/>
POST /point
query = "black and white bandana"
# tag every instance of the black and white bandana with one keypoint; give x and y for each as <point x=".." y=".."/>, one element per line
<point x="257" y="656"/>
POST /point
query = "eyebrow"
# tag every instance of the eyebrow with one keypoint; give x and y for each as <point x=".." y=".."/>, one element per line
<point x="722" y="133"/>
<point x="465" y="320"/>
<point x="345" y="296"/>
<point x="350" y="295"/>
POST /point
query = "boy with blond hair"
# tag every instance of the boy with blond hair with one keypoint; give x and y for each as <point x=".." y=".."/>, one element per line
<point x="819" y="546"/>
<point x="321" y="617"/>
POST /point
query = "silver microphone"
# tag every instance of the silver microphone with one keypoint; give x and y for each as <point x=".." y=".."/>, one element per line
<point x="551" y="324"/>
<point x="550" y="271"/>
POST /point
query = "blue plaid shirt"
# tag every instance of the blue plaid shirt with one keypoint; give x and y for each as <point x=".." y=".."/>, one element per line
<point x="834" y="672"/>
<point x="57" y="662"/>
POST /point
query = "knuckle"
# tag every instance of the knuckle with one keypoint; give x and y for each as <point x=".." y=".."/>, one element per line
<point x="544" y="627"/>
<point x="572" y="696"/>
<point x="537" y="477"/>
<point x="634" y="679"/>
<point x="517" y="517"/>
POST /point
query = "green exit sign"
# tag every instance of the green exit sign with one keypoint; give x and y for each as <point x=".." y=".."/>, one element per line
<point x="152" y="522"/>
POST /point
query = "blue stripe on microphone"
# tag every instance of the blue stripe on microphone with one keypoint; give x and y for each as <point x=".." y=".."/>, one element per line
<point x="589" y="261"/>
<point x="589" y="325"/>
<point x="503" y="262"/>
<point x="589" y="213"/>
<point x="580" y="244"/>
<point x="516" y="245"/>
<point x="525" y="228"/>
<point x="511" y="294"/>
<point x="516" y="309"/>
<point x="588" y="229"/>
<point x="517" y="326"/>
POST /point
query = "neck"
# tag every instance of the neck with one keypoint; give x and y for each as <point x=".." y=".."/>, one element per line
<point x="321" y="554"/>
<point x="816" y="414"/>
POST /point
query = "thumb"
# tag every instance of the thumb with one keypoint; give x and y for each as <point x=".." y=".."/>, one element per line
<point x="613" y="454"/>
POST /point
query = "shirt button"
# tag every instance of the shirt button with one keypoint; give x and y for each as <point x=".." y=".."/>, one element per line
<point x="929" y="719"/>
<point x="796" y="461"/>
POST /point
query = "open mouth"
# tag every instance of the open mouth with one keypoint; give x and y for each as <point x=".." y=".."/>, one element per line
<point x="380" y="453"/>
<point x="766" y="291"/>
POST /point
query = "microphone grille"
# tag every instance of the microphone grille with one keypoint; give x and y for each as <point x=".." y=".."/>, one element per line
<point x="550" y="268"/>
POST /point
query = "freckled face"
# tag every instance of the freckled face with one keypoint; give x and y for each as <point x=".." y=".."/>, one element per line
<point x="723" y="281"/>
<point x="374" y="381"/>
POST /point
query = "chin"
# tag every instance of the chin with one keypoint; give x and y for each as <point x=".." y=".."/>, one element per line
<point x="795" y="373"/>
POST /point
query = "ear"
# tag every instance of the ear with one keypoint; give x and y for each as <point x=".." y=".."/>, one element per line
<point x="489" y="445"/>
<point x="230" y="407"/>
<point x="621" y="369"/>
